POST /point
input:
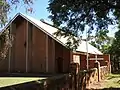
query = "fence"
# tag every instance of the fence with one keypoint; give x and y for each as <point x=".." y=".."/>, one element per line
<point x="73" y="81"/>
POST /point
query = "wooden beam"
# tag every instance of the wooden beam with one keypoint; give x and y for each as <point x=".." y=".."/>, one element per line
<point x="12" y="48"/>
<point x="53" y="53"/>
<point x="9" y="61"/>
<point x="46" y="53"/>
<point x="71" y="56"/>
<point x="27" y="46"/>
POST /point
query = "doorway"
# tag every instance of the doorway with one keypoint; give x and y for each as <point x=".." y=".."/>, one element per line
<point x="59" y="64"/>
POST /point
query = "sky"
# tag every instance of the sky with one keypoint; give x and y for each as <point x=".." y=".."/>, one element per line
<point x="40" y="12"/>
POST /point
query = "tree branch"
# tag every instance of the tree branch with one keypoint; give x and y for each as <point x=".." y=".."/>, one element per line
<point x="117" y="6"/>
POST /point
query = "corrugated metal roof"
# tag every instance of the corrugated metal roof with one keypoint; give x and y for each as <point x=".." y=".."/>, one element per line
<point x="50" y="30"/>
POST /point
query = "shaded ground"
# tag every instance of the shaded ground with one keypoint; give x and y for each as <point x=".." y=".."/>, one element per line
<point x="31" y="81"/>
<point x="112" y="82"/>
<point x="9" y="81"/>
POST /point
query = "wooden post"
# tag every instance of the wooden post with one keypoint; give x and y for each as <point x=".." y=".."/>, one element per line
<point x="71" y="56"/>
<point x="27" y="46"/>
<point x="9" y="63"/>
<point x="53" y="53"/>
<point x="46" y="53"/>
<point x="97" y="65"/>
<point x="109" y="64"/>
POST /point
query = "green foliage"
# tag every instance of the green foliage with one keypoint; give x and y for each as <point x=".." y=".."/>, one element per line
<point x="7" y="5"/>
<point x="4" y="44"/>
<point x="115" y="48"/>
<point x="74" y="15"/>
<point x="2" y="40"/>
<point x="114" y="51"/>
<point x="4" y="9"/>
<point x="102" y="41"/>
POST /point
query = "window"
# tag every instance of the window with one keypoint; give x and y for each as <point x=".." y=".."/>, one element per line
<point x="76" y="59"/>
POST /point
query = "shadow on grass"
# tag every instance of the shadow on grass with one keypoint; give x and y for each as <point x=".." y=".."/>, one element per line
<point x="111" y="88"/>
<point x="111" y="77"/>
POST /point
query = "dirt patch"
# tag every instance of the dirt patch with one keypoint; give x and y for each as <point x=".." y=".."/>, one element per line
<point x="98" y="85"/>
<point x="112" y="82"/>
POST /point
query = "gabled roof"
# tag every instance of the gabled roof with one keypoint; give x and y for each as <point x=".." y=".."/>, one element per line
<point x="50" y="30"/>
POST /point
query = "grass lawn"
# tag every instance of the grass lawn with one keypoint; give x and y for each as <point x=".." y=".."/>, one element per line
<point x="113" y="80"/>
<point x="9" y="81"/>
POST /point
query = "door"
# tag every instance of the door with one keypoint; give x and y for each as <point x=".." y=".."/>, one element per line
<point x="59" y="62"/>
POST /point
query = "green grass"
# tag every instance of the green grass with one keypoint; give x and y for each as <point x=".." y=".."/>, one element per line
<point x="9" y="81"/>
<point x="113" y="80"/>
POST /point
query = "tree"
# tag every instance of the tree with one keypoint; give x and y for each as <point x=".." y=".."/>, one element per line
<point x="102" y="41"/>
<point x="74" y="15"/>
<point x="115" y="51"/>
<point x="5" y="8"/>
<point x="5" y="43"/>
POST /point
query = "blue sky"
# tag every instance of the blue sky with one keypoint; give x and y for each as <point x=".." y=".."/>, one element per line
<point x="40" y="12"/>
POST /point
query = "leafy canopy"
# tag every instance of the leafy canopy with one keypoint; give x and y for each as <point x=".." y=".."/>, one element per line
<point x="114" y="51"/>
<point x="115" y="48"/>
<point x="74" y="15"/>
<point x="102" y="41"/>
<point x="6" y="7"/>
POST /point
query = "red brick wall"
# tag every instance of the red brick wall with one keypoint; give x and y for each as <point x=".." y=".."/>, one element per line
<point x="83" y="62"/>
<point x="107" y="57"/>
<point x="102" y="62"/>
